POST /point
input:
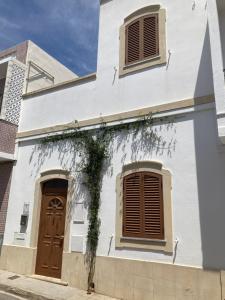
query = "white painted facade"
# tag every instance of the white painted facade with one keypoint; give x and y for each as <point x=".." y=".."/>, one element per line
<point x="193" y="153"/>
<point x="181" y="79"/>
<point x="196" y="162"/>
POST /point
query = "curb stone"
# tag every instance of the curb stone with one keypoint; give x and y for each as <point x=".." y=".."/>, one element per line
<point x="22" y="293"/>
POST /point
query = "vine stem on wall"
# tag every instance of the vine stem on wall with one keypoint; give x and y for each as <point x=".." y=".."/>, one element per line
<point x="94" y="146"/>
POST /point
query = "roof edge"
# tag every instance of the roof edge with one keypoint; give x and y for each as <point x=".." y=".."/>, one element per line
<point x="59" y="86"/>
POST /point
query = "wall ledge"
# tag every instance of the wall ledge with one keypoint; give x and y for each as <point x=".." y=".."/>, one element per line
<point x="137" y="113"/>
<point x="59" y="86"/>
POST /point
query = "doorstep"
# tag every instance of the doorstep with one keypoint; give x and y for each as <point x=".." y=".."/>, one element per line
<point x="49" y="279"/>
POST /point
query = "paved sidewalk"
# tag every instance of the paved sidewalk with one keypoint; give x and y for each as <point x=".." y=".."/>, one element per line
<point x="35" y="289"/>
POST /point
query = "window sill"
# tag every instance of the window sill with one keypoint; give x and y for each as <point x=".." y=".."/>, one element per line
<point x="141" y="240"/>
<point x="142" y="65"/>
<point x="145" y="61"/>
<point x="144" y="244"/>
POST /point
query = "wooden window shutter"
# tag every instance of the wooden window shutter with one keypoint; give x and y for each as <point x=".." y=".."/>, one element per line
<point x="142" y="39"/>
<point x="153" y="206"/>
<point x="150" y="36"/>
<point x="133" y="46"/>
<point x="143" y="206"/>
<point x="132" y="206"/>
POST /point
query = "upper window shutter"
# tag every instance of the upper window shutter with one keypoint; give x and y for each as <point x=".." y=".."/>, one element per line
<point x="133" y="42"/>
<point x="143" y="206"/>
<point x="142" y="39"/>
<point x="132" y="209"/>
<point x="150" y="36"/>
<point x="153" y="206"/>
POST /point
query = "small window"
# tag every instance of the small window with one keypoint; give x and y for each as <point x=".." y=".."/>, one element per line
<point x="143" y="40"/>
<point x="143" y="206"/>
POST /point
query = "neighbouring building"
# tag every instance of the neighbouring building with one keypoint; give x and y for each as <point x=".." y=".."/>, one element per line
<point x="23" y="68"/>
<point x="162" y="200"/>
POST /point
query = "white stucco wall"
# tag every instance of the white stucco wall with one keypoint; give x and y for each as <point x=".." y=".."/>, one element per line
<point x="186" y="38"/>
<point x="66" y="105"/>
<point x="222" y="31"/>
<point x="188" y="74"/>
<point x="49" y="64"/>
<point x="215" y="14"/>
<point x="196" y="162"/>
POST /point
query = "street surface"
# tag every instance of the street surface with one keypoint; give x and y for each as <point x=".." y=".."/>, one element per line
<point x="5" y="296"/>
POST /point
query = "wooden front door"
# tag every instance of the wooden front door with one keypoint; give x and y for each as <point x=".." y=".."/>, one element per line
<point x="51" y="228"/>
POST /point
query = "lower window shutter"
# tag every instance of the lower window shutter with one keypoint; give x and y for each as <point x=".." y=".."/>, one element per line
<point x="132" y="226"/>
<point x="153" y="206"/>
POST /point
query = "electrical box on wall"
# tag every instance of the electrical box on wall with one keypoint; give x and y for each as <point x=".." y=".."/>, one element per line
<point x="23" y="220"/>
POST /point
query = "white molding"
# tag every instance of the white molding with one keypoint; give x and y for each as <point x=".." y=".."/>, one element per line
<point x="6" y="157"/>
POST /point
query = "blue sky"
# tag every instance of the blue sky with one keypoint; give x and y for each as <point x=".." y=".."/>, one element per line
<point x="66" y="29"/>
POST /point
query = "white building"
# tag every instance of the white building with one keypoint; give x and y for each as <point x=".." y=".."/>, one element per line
<point x="165" y="59"/>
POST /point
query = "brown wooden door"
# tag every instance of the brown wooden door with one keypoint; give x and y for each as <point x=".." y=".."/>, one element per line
<point x="51" y="232"/>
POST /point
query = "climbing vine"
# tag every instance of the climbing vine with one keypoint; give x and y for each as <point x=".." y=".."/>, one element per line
<point x="93" y="146"/>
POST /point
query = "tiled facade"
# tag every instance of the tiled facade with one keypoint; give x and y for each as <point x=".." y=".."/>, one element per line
<point x="5" y="178"/>
<point x="20" y="51"/>
<point x="13" y="92"/>
<point x="7" y="136"/>
<point x="7" y="145"/>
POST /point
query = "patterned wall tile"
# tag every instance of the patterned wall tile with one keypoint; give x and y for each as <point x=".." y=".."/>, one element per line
<point x="13" y="92"/>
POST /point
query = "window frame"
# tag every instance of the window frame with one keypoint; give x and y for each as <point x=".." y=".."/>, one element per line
<point x="126" y="68"/>
<point x="166" y="244"/>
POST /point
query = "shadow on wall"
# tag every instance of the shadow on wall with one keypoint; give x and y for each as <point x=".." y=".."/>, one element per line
<point x="221" y="12"/>
<point x="130" y="147"/>
<point x="210" y="164"/>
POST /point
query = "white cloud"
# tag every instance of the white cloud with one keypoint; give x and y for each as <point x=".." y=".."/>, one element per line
<point x="6" y="24"/>
<point x="67" y="29"/>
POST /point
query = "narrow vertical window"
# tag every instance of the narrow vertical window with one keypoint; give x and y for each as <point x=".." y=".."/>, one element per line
<point x="150" y="36"/>
<point x="133" y="47"/>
